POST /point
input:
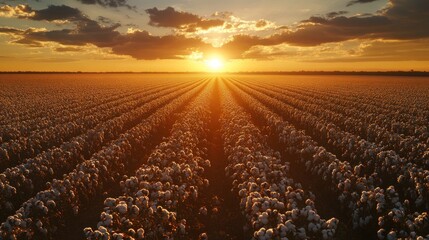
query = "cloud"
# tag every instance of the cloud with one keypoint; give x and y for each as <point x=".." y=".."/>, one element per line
<point x="382" y="50"/>
<point x="169" y="17"/>
<point x="335" y="14"/>
<point x="53" y="13"/>
<point x="359" y="1"/>
<point x="19" y="11"/>
<point x="137" y="44"/>
<point x="108" y="3"/>
<point x="68" y="49"/>
<point x="8" y="30"/>
<point x="400" y="20"/>
<point x="142" y="45"/>
<point x="62" y="12"/>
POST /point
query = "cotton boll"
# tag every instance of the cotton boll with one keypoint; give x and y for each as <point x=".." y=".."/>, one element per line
<point x="203" y="211"/>
<point x="109" y="202"/>
<point x="122" y="207"/>
<point x="381" y="234"/>
<point x="269" y="233"/>
<point x="391" y="235"/>
<point x="135" y="210"/>
<point x="140" y="233"/>
<point x="182" y="226"/>
<point x="301" y="234"/>
<point x="203" y="236"/>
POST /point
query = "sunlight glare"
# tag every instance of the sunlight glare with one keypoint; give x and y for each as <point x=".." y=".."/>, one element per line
<point x="215" y="64"/>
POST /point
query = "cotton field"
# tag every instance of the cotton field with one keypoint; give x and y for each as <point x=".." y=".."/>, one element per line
<point x="206" y="156"/>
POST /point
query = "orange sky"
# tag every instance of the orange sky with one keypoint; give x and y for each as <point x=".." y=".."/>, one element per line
<point x="131" y="35"/>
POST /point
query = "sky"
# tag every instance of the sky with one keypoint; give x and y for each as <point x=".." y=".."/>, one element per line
<point x="207" y="35"/>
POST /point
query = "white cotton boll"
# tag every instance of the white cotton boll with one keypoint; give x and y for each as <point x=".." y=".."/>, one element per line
<point x="51" y="204"/>
<point x="45" y="210"/>
<point x="325" y="234"/>
<point x="242" y="193"/>
<point x="269" y="233"/>
<point x="203" y="211"/>
<point x="381" y="234"/>
<point x="167" y="195"/>
<point x="88" y="232"/>
<point x="290" y="226"/>
<point x="312" y="227"/>
<point x="182" y="227"/>
<point x="140" y="233"/>
<point x="118" y="236"/>
<point x="295" y="214"/>
<point x="39" y="224"/>
<point x="301" y="234"/>
<point x="280" y="205"/>
<point x="261" y="233"/>
<point x="311" y="215"/>
<point x="264" y="218"/>
<point x="135" y="210"/>
<point x="391" y="235"/>
<point x="108" y="221"/>
<point x="203" y="236"/>
<point x="122" y="207"/>
<point x="131" y="232"/>
<point x="109" y="202"/>
<point x="332" y="223"/>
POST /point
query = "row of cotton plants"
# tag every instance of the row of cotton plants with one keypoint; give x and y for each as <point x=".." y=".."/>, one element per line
<point x="71" y="110"/>
<point x="402" y="120"/>
<point x="363" y="196"/>
<point x="385" y="166"/>
<point x="19" y="183"/>
<point x="275" y="206"/>
<point x="162" y="197"/>
<point x="24" y="101"/>
<point x="350" y="126"/>
<point x="15" y="151"/>
<point x="49" y="210"/>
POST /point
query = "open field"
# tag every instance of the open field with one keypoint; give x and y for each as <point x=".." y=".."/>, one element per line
<point x="213" y="156"/>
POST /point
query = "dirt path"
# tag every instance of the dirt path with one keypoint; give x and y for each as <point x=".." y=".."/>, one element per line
<point x="224" y="219"/>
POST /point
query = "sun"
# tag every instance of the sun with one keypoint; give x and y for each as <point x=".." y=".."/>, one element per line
<point x="215" y="64"/>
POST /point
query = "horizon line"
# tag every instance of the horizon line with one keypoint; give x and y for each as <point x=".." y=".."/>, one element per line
<point x="301" y="72"/>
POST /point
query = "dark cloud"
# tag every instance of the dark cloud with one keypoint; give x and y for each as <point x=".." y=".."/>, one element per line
<point x="8" y="30"/>
<point x="240" y="44"/>
<point x="62" y="12"/>
<point x="139" y="44"/>
<point x="142" y="45"/>
<point x="105" y="20"/>
<point x="87" y="32"/>
<point x="108" y="3"/>
<point x="169" y="17"/>
<point x="359" y="1"/>
<point x="401" y="20"/>
<point x="52" y="13"/>
<point x="335" y="14"/>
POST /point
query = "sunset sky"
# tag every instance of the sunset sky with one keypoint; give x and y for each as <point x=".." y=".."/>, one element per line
<point x="205" y="35"/>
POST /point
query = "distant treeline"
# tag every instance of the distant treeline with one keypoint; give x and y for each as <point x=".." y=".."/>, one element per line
<point x="358" y="73"/>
